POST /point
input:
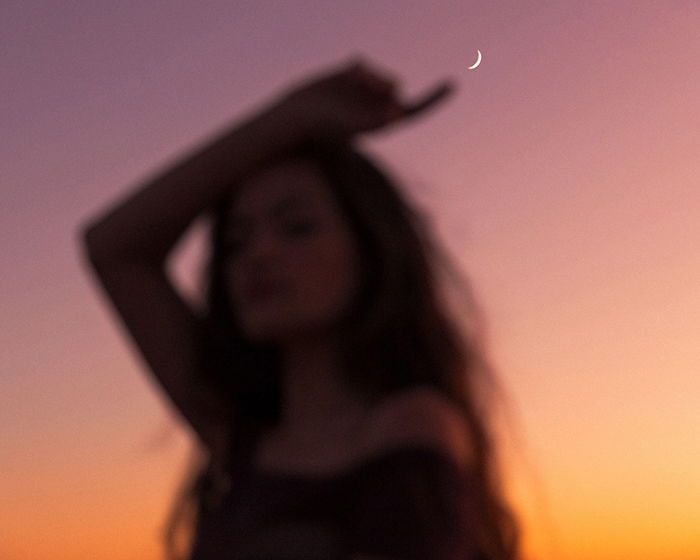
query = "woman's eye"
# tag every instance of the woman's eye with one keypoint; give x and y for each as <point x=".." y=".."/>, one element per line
<point x="300" y="228"/>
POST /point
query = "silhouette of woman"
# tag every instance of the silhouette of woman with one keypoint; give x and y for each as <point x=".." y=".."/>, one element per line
<point x="339" y="408"/>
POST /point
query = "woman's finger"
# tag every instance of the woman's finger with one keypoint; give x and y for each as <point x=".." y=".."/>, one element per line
<point x="432" y="97"/>
<point x="378" y="82"/>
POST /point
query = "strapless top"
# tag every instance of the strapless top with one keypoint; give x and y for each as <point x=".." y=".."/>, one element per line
<point x="407" y="503"/>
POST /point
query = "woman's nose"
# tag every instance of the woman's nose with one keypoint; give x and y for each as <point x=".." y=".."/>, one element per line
<point x="262" y="246"/>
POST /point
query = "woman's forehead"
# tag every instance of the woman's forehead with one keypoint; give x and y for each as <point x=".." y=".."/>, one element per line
<point x="291" y="183"/>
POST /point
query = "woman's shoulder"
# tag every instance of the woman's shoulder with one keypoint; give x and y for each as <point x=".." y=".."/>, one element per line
<point x="421" y="417"/>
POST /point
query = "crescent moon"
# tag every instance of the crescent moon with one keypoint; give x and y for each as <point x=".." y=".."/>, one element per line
<point x="478" y="60"/>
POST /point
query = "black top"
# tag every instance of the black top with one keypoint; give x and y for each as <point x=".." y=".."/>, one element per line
<point x="406" y="503"/>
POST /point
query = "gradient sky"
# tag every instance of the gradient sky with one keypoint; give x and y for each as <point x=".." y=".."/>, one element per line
<point x="562" y="177"/>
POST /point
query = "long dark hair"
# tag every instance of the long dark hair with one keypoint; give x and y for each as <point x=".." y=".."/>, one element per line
<point x="404" y="319"/>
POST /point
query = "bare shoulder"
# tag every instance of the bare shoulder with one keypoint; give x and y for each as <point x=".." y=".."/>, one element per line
<point x="426" y="417"/>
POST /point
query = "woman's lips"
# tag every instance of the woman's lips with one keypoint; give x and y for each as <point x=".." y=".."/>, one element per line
<point x="263" y="290"/>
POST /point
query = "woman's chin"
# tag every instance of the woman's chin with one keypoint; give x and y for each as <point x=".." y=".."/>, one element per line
<point x="266" y="331"/>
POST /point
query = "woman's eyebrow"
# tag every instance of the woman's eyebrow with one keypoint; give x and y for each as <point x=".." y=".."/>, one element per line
<point x="292" y="201"/>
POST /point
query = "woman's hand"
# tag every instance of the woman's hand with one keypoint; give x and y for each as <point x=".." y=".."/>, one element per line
<point x="355" y="98"/>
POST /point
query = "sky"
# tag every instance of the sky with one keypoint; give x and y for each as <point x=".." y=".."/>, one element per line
<point x="561" y="177"/>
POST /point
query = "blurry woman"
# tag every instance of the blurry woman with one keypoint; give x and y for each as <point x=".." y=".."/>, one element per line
<point x="342" y="412"/>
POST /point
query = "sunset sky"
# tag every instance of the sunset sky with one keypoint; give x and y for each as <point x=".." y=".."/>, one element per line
<point x="562" y="177"/>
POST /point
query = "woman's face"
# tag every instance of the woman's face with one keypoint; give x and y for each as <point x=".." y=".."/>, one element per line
<point x="292" y="260"/>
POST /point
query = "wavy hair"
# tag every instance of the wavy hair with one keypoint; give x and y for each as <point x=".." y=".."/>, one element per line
<point x="404" y="319"/>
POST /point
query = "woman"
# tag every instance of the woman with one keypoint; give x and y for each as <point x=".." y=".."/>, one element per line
<point x="340" y="410"/>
